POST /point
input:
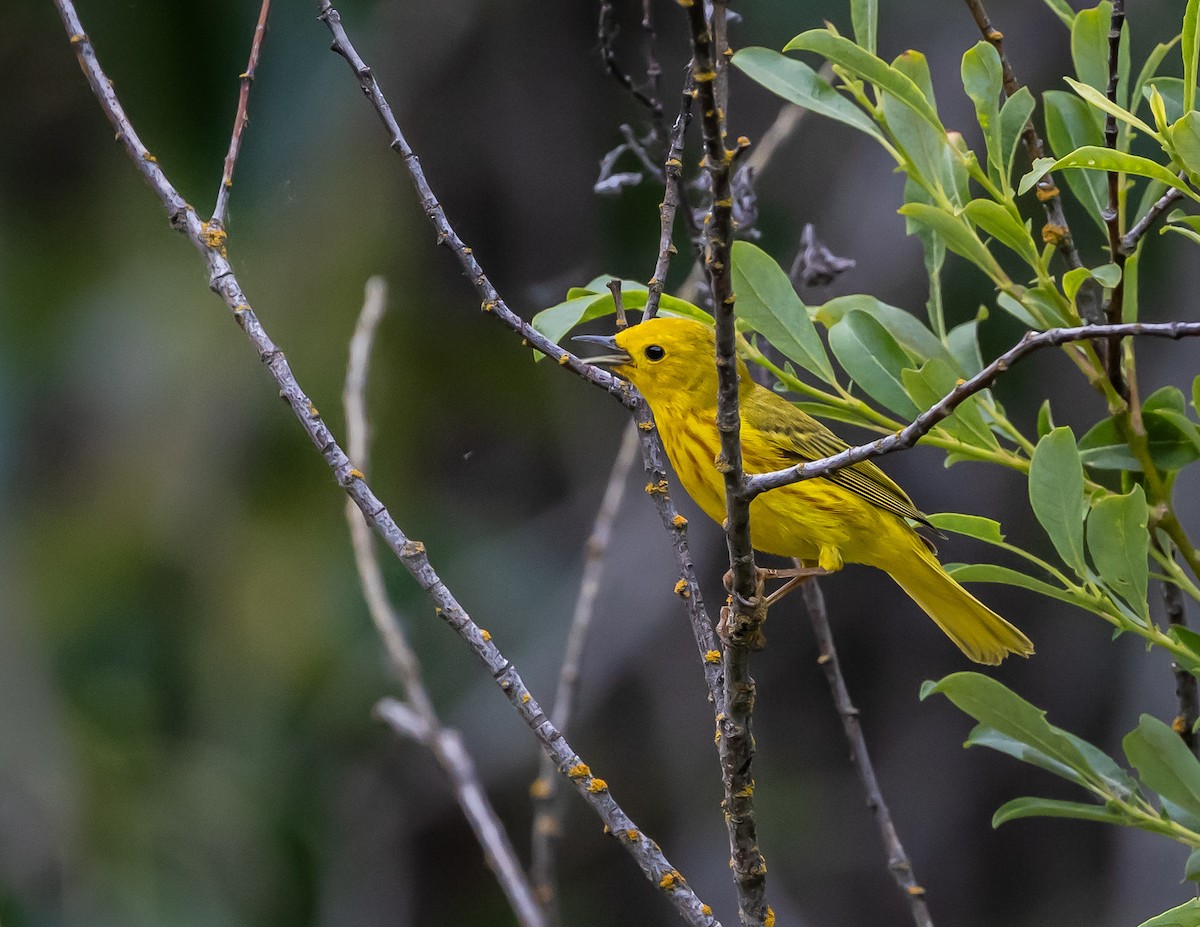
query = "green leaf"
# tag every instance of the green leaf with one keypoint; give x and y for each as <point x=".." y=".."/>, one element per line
<point x="1190" y="49"/>
<point x="933" y="381"/>
<point x="833" y="413"/>
<point x="556" y="321"/>
<point x="864" y="17"/>
<point x="974" y="526"/>
<point x="1089" y="44"/>
<point x="1119" y="545"/>
<point x="797" y="83"/>
<point x="1106" y="159"/>
<point x="983" y="736"/>
<point x="1053" y="808"/>
<point x="866" y="65"/>
<point x="873" y="359"/>
<point x="1056" y="493"/>
<point x="1184" y="135"/>
<point x="1098" y="99"/>
<point x="1063" y="11"/>
<point x="982" y="78"/>
<point x="1072" y="124"/>
<point x="1105" y="448"/>
<point x="926" y="145"/>
<point x="996" y="220"/>
<point x="963" y="345"/>
<point x="1196" y="394"/>
<point x="1186" y="915"/>
<point x="990" y="703"/>
<point x="767" y="300"/>
<point x="1164" y="763"/>
<point x="1171" y="89"/>
<point x="994" y="573"/>
<point x="1149" y="69"/>
<point x="1191" y="871"/>
<point x="1014" y="308"/>
<point x="918" y="342"/>
<point x="1045" y="420"/>
<point x="1014" y="115"/>
<point x="958" y="235"/>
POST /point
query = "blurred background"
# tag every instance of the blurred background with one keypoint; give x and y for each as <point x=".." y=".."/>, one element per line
<point x="187" y="669"/>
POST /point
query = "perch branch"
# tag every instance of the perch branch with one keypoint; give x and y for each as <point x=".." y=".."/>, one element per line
<point x="547" y="818"/>
<point x="744" y="616"/>
<point x="210" y="243"/>
<point x="1056" y="228"/>
<point x="898" y="862"/>
<point x="491" y="303"/>
<point x="241" y="118"/>
<point x="909" y="435"/>
<point x="1114" y="311"/>
<point x="424" y="725"/>
<point x="1129" y="241"/>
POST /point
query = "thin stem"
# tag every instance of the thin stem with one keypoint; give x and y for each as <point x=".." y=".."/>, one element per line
<point x="743" y="618"/>
<point x="548" y="809"/>
<point x="411" y="553"/>
<point x="1056" y="229"/>
<point x="898" y="862"/>
<point x="673" y="195"/>
<point x="491" y="302"/>
<point x="908" y="435"/>
<point x="1129" y="241"/>
<point x="241" y="119"/>
<point x="1187" y="693"/>
<point x="427" y="729"/>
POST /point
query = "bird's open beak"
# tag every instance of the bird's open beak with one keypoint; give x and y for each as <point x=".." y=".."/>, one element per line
<point x="616" y="358"/>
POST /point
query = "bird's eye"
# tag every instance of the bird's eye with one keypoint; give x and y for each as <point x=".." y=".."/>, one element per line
<point x="655" y="352"/>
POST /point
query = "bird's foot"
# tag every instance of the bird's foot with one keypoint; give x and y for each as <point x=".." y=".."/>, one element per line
<point x="795" y="577"/>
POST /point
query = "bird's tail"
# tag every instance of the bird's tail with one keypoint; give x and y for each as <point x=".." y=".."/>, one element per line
<point x="978" y="631"/>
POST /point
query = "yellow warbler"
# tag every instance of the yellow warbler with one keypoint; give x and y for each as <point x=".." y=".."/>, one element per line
<point x="855" y="515"/>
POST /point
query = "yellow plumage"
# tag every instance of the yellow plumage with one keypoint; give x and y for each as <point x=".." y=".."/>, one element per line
<point x="856" y="515"/>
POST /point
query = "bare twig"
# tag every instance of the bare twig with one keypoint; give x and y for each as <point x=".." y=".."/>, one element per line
<point x="240" y="120"/>
<point x="898" y="862"/>
<point x="547" y="818"/>
<point x="491" y="301"/>
<point x="1130" y="239"/>
<point x="1056" y="229"/>
<point x="222" y="279"/>
<point x="674" y="193"/>
<point x="909" y="435"/>
<point x="421" y="722"/>
<point x="745" y="614"/>
<point x="614" y="287"/>
<point x="606" y="32"/>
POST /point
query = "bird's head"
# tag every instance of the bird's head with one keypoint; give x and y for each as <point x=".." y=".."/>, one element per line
<point x="665" y="358"/>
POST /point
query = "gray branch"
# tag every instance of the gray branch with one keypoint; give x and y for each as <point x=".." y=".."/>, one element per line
<point x="209" y="241"/>
<point x="417" y="718"/>
<point x="909" y="435"/>
<point x="241" y="119"/>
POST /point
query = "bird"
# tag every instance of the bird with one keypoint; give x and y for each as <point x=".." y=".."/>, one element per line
<point x="854" y="515"/>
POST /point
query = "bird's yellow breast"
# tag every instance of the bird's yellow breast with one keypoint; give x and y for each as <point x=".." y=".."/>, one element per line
<point x="793" y="521"/>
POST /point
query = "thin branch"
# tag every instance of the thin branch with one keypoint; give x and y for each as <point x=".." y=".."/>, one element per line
<point x="548" y="809"/>
<point x="445" y="744"/>
<point x="491" y="302"/>
<point x="743" y="618"/>
<point x="241" y="119"/>
<point x="606" y="32"/>
<point x="222" y="279"/>
<point x="1056" y="229"/>
<point x="899" y="864"/>
<point x="907" y="436"/>
<point x="1129" y="241"/>
<point x="674" y="193"/>
<point x="1114" y="311"/>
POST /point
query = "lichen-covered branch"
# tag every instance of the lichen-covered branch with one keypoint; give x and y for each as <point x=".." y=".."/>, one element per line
<point x="491" y="302"/>
<point x="745" y="614"/>
<point x="907" y="436"/>
<point x="421" y="722"/>
<point x="899" y="864"/>
<point x="211" y="244"/>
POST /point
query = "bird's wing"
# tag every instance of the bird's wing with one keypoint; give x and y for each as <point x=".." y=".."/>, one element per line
<point x="800" y="438"/>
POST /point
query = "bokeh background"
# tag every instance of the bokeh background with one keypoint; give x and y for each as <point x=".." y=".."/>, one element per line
<point x="187" y="669"/>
